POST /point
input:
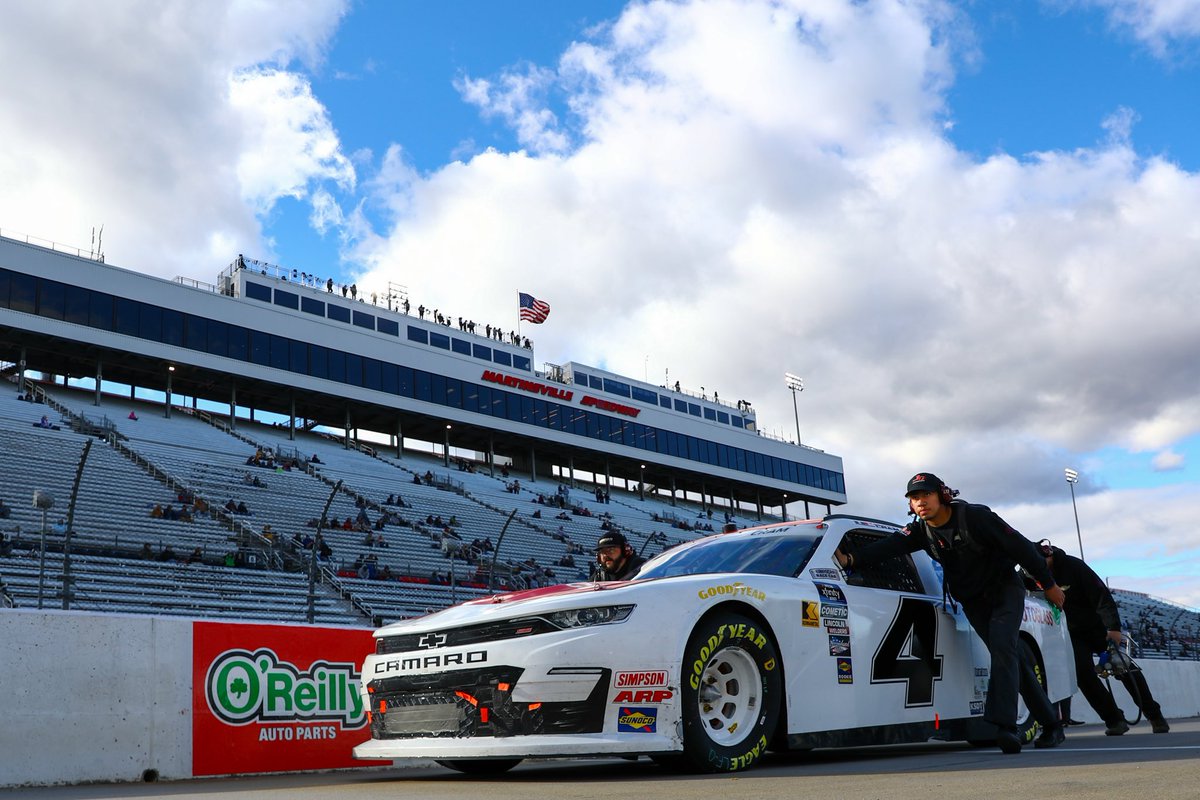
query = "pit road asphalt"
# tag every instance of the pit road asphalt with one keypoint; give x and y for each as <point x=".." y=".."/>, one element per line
<point x="1137" y="766"/>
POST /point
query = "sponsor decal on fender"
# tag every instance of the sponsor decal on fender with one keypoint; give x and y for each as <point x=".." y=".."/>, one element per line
<point x="732" y="590"/>
<point x="839" y="645"/>
<point x="833" y="611"/>
<point x="824" y="573"/>
<point x="830" y="593"/>
<point x="637" y="720"/>
<point x="845" y="670"/>
<point x="653" y="677"/>
<point x="810" y="614"/>
<point x="836" y="626"/>
<point x="643" y="696"/>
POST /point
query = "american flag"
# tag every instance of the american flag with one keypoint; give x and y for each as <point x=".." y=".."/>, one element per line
<point x="532" y="309"/>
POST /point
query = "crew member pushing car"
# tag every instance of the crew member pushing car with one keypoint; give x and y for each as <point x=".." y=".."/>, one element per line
<point x="979" y="552"/>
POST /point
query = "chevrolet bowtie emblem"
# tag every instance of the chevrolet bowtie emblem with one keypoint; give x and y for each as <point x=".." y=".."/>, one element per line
<point x="431" y="640"/>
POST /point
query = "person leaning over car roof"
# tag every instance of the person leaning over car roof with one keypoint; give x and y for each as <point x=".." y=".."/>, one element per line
<point x="616" y="558"/>
<point x="979" y="552"/>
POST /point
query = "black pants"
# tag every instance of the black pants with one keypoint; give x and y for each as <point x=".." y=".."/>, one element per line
<point x="996" y="617"/>
<point x="1098" y="696"/>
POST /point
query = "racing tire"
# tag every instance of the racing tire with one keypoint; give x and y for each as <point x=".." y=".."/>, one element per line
<point x="1028" y="728"/>
<point x="731" y="689"/>
<point x="494" y="766"/>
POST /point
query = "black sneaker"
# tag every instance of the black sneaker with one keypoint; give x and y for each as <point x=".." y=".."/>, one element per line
<point x="1051" y="737"/>
<point x="1116" y="728"/>
<point x="1160" y="725"/>
<point x="1009" y="742"/>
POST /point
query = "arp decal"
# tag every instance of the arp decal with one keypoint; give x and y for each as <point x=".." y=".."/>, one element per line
<point x="810" y="614"/>
<point x="633" y="719"/>
<point x="643" y="696"/>
<point x="845" y="670"/>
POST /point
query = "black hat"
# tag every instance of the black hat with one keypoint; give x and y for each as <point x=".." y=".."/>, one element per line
<point x="613" y="539"/>
<point x="923" y="482"/>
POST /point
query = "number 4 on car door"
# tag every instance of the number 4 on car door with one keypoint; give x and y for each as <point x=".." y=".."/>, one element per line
<point x="908" y="652"/>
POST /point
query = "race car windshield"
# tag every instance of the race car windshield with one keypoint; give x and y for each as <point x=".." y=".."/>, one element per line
<point x="755" y="555"/>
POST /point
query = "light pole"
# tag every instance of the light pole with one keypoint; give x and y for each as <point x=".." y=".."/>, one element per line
<point x="784" y="507"/>
<point x="1072" y="479"/>
<point x="642" y="483"/>
<point x="170" y="375"/>
<point x="446" y="449"/>
<point x="44" y="501"/>
<point x="796" y="384"/>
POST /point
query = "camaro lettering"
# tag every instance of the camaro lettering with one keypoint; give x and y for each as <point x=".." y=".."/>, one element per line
<point x="648" y="678"/>
<point x="644" y="696"/>
<point x="732" y="590"/>
<point x="412" y="663"/>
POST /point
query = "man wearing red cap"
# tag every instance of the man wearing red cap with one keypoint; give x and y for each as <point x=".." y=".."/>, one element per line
<point x="979" y="552"/>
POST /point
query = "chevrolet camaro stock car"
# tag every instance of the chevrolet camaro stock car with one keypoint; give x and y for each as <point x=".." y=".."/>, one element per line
<point x="723" y="648"/>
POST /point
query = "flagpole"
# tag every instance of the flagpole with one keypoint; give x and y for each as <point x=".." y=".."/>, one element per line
<point x="518" y="313"/>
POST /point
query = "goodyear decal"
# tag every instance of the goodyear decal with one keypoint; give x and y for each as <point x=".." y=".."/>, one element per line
<point x="810" y="616"/>
<point x="634" y="719"/>
<point x="732" y="590"/>
<point x="742" y="631"/>
<point x="845" y="671"/>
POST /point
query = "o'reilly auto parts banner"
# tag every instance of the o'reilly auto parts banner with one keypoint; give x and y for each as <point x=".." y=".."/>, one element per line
<point x="274" y="698"/>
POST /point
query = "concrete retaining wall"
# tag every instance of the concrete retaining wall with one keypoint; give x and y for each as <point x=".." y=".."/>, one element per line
<point x="105" y="697"/>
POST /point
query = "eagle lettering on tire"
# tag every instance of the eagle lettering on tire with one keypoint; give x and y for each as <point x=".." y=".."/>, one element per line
<point x="731" y="693"/>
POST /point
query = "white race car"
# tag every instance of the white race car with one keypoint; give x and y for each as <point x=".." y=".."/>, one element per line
<point x="722" y="649"/>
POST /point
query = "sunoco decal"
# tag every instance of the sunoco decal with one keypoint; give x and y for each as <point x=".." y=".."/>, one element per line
<point x="637" y="720"/>
<point x="276" y="698"/>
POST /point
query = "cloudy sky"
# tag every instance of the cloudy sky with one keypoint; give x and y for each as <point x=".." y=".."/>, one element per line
<point x="973" y="228"/>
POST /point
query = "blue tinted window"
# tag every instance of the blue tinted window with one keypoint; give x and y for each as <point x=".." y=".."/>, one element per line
<point x="337" y="366"/>
<point x="580" y="377"/>
<point x="363" y="320"/>
<point x="722" y="418"/>
<point x="422" y="385"/>
<point x="461" y="346"/>
<point x="218" y="338"/>
<point x="100" y="312"/>
<point x="150" y="322"/>
<point x="416" y="334"/>
<point x="260" y="347"/>
<point x="258" y="291"/>
<point x="287" y="299"/>
<point x="664" y="401"/>
<point x="595" y="382"/>
<point x="644" y="395"/>
<point x="681" y="405"/>
<point x="127" y="319"/>
<point x="710" y="414"/>
<point x="23" y="293"/>
<point x="389" y="378"/>
<point x="354" y="369"/>
<point x="501" y="357"/>
<point x="693" y="409"/>
<point x="196" y="332"/>
<point x="52" y="299"/>
<point x="281" y="355"/>
<point x="236" y="339"/>
<point x="339" y="313"/>
<point x="521" y="362"/>
<point x="77" y="305"/>
<point x="388" y="326"/>
<point x="738" y="422"/>
<point x="439" y="340"/>
<point x="480" y="351"/>
<point x="318" y="361"/>
<point x="172" y="327"/>
<point x="299" y="358"/>
<point x="311" y="305"/>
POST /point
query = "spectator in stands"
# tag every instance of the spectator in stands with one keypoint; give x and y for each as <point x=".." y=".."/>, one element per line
<point x="167" y="554"/>
<point x="1093" y="621"/>
<point x="315" y="459"/>
<point x="241" y="508"/>
<point x="133" y="416"/>
<point x="616" y="558"/>
<point x="157" y="511"/>
<point x="197" y="557"/>
<point x="5" y="511"/>
<point x="147" y="552"/>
